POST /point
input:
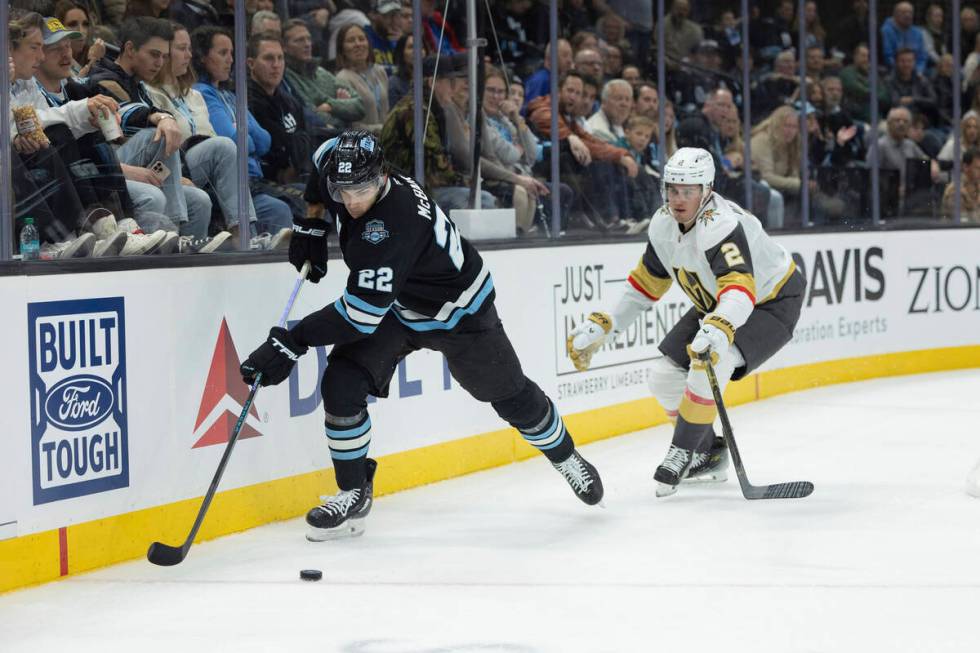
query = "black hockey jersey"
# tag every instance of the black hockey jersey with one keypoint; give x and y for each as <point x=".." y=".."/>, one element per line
<point x="405" y="256"/>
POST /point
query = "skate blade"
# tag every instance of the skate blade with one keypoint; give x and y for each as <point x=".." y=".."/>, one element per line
<point x="351" y="528"/>
<point x="665" y="490"/>
<point x="711" y="477"/>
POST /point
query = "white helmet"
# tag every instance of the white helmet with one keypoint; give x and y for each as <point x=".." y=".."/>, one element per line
<point x="689" y="165"/>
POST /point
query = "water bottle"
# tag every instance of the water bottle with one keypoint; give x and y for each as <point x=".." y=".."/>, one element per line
<point x="30" y="248"/>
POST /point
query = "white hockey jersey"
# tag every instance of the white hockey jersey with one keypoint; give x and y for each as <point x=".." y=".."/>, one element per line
<point x="726" y="250"/>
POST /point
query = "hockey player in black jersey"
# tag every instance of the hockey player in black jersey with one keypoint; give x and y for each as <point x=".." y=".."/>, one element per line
<point x="414" y="283"/>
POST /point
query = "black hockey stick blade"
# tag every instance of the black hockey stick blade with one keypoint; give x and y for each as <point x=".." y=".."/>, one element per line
<point x="792" y="490"/>
<point x="165" y="555"/>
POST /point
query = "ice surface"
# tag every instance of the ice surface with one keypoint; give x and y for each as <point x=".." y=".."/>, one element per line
<point x="884" y="556"/>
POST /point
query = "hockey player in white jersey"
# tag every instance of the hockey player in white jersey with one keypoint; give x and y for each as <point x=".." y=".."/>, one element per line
<point x="747" y="296"/>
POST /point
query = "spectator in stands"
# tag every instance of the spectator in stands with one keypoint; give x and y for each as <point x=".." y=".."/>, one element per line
<point x="969" y="137"/>
<point x="691" y="85"/>
<point x="779" y="86"/>
<point x="151" y="8"/>
<point x="909" y="88"/>
<point x="934" y="35"/>
<point x="898" y="33"/>
<point x="776" y="148"/>
<point x="851" y="31"/>
<point x="317" y="19"/>
<point x="670" y="119"/>
<point x="449" y="187"/>
<point x="579" y="149"/>
<point x="356" y="68"/>
<point x="942" y="82"/>
<point x="153" y="135"/>
<point x="924" y="137"/>
<point x="207" y="154"/>
<point x="350" y="13"/>
<point x="509" y="151"/>
<point x="728" y="34"/>
<point x="584" y="39"/>
<point x="969" y="189"/>
<point x="895" y="147"/>
<point x="971" y="69"/>
<point x="588" y="103"/>
<point x="733" y="146"/>
<point x="774" y="33"/>
<point x="857" y="87"/>
<point x="213" y="57"/>
<point x="193" y="13"/>
<point x="383" y="32"/>
<point x="607" y="124"/>
<point x="54" y="178"/>
<point x="589" y="61"/>
<point x="400" y="84"/>
<point x="643" y="190"/>
<point x="637" y="17"/>
<point x="816" y="35"/>
<point x="87" y="49"/>
<point x="278" y="112"/>
<point x="969" y="28"/>
<point x="335" y="103"/>
<point x="539" y="83"/>
<point x="515" y="36"/>
<point x="703" y="129"/>
<point x="616" y="106"/>
<point x="612" y="33"/>
<point x="631" y="74"/>
<point x="681" y="35"/>
<point x="266" y="22"/>
<point x="815" y="62"/>
<point x="438" y="34"/>
<point x="646" y="100"/>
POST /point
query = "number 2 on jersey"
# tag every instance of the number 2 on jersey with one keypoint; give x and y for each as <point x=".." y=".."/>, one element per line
<point x="379" y="279"/>
<point x="448" y="238"/>
<point x="733" y="256"/>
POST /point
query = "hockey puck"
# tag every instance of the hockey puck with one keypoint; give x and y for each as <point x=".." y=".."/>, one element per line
<point x="311" y="574"/>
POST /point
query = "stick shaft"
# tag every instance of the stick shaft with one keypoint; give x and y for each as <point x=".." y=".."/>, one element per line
<point x="241" y="419"/>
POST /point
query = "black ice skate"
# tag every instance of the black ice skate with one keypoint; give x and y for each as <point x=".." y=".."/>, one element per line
<point x="673" y="469"/>
<point x="711" y="467"/>
<point x="342" y="515"/>
<point x="582" y="477"/>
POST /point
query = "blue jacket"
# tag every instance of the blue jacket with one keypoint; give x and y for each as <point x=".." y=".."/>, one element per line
<point x="221" y="108"/>
<point x="893" y="39"/>
<point x="538" y="84"/>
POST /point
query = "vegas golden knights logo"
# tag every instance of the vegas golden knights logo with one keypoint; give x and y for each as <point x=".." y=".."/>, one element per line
<point x="695" y="290"/>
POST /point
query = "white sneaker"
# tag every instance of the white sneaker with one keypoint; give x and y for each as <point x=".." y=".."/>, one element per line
<point x="280" y="240"/>
<point x="221" y="241"/>
<point x="260" y="243"/>
<point x="140" y="243"/>
<point x="73" y="248"/>
<point x="169" y="244"/>
<point x="111" y="245"/>
<point x="103" y="226"/>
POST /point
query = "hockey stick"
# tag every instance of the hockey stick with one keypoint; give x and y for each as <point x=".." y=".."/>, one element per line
<point x="166" y="555"/>
<point x="793" y="490"/>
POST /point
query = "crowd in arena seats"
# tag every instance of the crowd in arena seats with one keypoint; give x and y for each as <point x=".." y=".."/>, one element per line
<point x="162" y="71"/>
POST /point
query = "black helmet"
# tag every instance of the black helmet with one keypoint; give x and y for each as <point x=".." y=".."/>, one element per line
<point x="355" y="162"/>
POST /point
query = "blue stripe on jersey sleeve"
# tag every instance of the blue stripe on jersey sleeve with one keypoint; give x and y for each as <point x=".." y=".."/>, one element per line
<point x="363" y="328"/>
<point x="362" y="305"/>
<point x="457" y="315"/>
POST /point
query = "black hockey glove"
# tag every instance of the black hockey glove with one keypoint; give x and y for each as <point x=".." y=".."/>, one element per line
<point x="309" y="243"/>
<point x="274" y="358"/>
